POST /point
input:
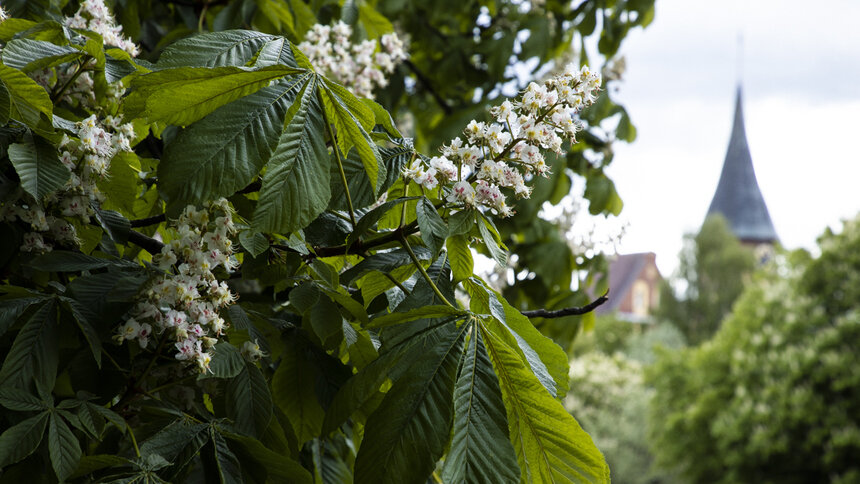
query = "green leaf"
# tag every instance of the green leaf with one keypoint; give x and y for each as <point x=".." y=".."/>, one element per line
<point x="182" y="96"/>
<point x="326" y="321"/>
<point x="230" y="48"/>
<point x="29" y="55"/>
<point x="38" y="166"/>
<point x="383" y="117"/>
<point x="82" y="317"/>
<point x="374" y="22"/>
<point x="92" y="463"/>
<point x="28" y="99"/>
<point x="277" y="467"/>
<point x="226" y="464"/>
<point x="293" y="389"/>
<point x="460" y="255"/>
<point x="546" y="359"/>
<point x="433" y="228"/>
<point x="5" y="105"/>
<point x="480" y="449"/>
<point x="384" y="262"/>
<point x="21" y="440"/>
<point x="461" y="222"/>
<point x="296" y="184"/>
<point x="253" y="242"/>
<point x="489" y="235"/>
<point x="550" y="445"/>
<point x="227" y="361"/>
<point x="177" y="443"/>
<point x="15" y="399"/>
<point x="407" y="434"/>
<point x="12" y="308"/>
<point x="248" y="401"/>
<point x="369" y="219"/>
<point x="34" y="353"/>
<point x="63" y="447"/>
<point x="223" y="152"/>
<point x="423" y="312"/>
<point x="352" y="120"/>
<point x="120" y="186"/>
<point x="67" y="261"/>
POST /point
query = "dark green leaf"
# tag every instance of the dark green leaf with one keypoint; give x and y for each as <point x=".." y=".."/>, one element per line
<point x="383" y="118"/>
<point x="433" y="228"/>
<point x="38" y="166"/>
<point x="461" y="222"/>
<point x="423" y="312"/>
<point x="384" y="262"/>
<point x="489" y="235"/>
<point x="249" y="403"/>
<point x="63" y="447"/>
<point x="12" y="308"/>
<point x="407" y="434"/>
<point x="223" y="152"/>
<point x="34" y="353"/>
<point x="66" y="261"/>
<point x="277" y="467"/>
<point x="178" y="443"/>
<point x="352" y="120"/>
<point x="226" y="464"/>
<point x="296" y="184"/>
<point x="15" y="399"/>
<point x="227" y="361"/>
<point x="82" y="317"/>
<point x="293" y="389"/>
<point x="254" y="242"/>
<point x="480" y="448"/>
<point x="369" y="219"/>
<point x="5" y="105"/>
<point x="230" y="48"/>
<point x="326" y="321"/>
<point x="21" y="440"/>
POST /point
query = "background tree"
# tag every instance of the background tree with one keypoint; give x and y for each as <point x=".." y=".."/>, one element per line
<point x="773" y="397"/>
<point x="713" y="270"/>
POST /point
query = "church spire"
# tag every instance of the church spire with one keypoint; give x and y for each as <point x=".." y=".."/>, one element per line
<point x="738" y="197"/>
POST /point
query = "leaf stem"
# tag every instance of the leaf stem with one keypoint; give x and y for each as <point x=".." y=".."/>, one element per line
<point x="57" y="94"/>
<point x="133" y="440"/>
<point x="405" y="244"/>
<point x="340" y="168"/>
<point x="170" y="384"/>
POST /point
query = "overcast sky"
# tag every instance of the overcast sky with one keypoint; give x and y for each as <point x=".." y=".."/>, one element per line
<point x="801" y="83"/>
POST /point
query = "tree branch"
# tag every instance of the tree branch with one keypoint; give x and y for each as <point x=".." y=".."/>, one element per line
<point x="146" y="243"/>
<point x="144" y="222"/>
<point x="427" y="85"/>
<point x="543" y="313"/>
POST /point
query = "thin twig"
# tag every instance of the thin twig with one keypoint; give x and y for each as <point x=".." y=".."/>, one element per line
<point x="574" y="311"/>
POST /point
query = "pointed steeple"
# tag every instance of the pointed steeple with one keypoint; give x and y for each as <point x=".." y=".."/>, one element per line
<point x="738" y="197"/>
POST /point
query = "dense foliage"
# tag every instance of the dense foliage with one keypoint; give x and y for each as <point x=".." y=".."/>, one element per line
<point x="775" y="395"/>
<point x="145" y="190"/>
<point x="713" y="269"/>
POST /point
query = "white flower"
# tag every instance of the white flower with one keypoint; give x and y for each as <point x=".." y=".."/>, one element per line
<point x="251" y="351"/>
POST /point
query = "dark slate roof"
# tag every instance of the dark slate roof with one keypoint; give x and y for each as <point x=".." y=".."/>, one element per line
<point x="738" y="196"/>
<point x="623" y="271"/>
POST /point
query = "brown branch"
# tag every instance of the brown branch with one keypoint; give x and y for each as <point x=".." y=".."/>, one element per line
<point x="144" y="222"/>
<point x="543" y="313"/>
<point x="359" y="246"/>
<point x="146" y="243"/>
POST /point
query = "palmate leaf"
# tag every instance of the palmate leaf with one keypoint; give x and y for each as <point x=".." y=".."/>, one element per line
<point x="224" y="151"/>
<point x="296" y="185"/>
<point x="38" y="166"/>
<point x="226" y="468"/>
<point x="293" y="390"/>
<point x="274" y="466"/>
<point x="433" y="228"/>
<point x="549" y="444"/>
<point x="407" y="434"/>
<point x="480" y="448"/>
<point x="184" y="95"/>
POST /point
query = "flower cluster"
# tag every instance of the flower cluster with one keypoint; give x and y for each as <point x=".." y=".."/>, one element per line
<point x="185" y="300"/>
<point x="507" y="152"/>
<point x="95" y="16"/>
<point x="87" y="158"/>
<point x="359" y="67"/>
